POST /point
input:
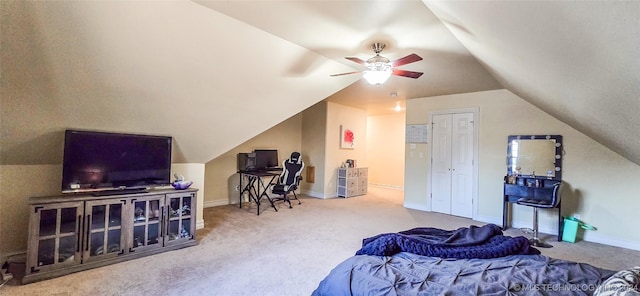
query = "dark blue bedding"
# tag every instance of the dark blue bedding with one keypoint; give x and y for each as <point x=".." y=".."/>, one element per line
<point x="484" y="242"/>
<point x="410" y="274"/>
<point x="466" y="261"/>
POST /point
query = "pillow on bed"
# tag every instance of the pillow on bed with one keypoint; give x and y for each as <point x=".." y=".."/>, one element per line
<point x="624" y="282"/>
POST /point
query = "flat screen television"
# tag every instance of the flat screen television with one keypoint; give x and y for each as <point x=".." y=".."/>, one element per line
<point x="106" y="162"/>
<point x="266" y="159"/>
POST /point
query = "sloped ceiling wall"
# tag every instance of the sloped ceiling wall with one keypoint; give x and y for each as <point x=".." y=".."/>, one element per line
<point x="576" y="60"/>
<point x="169" y="67"/>
<point x="184" y="69"/>
<point x="339" y="29"/>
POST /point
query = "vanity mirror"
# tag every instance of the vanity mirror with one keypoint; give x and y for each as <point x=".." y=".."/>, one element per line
<point x="535" y="155"/>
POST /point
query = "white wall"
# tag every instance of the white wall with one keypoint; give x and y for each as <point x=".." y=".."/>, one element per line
<point x="602" y="187"/>
<point x="193" y="172"/>
<point x="18" y="183"/>
<point x="385" y="149"/>
<point x="356" y="120"/>
<point x="314" y="137"/>
<point x="221" y="173"/>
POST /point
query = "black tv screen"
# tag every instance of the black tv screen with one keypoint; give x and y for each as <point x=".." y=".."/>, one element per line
<point x="266" y="159"/>
<point x="98" y="161"/>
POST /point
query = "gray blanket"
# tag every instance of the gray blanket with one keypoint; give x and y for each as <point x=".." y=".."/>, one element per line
<point x="410" y="274"/>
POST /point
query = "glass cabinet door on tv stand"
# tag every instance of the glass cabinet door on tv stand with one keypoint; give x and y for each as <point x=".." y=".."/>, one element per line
<point x="181" y="224"/>
<point x="147" y="222"/>
<point x="105" y="236"/>
<point x="57" y="241"/>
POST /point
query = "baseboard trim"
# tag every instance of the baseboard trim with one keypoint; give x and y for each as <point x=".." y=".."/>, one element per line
<point x="200" y="224"/>
<point x="215" y="203"/>
<point x="516" y="224"/>
<point x="593" y="236"/>
<point x="313" y="194"/>
<point x="387" y="186"/>
<point x="5" y="257"/>
<point x="589" y="236"/>
<point x="416" y="206"/>
<point x="486" y="219"/>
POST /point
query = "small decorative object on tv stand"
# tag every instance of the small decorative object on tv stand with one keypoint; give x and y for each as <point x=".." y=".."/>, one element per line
<point x="70" y="233"/>
<point x="180" y="183"/>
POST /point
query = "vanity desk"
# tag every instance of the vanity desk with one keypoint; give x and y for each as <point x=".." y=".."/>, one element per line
<point x="533" y="154"/>
<point x="534" y="189"/>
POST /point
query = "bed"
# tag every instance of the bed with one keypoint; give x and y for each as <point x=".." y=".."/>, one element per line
<point x="466" y="261"/>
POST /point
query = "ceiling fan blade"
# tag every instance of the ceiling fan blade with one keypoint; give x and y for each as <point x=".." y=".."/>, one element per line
<point x="333" y="75"/>
<point x="406" y="60"/>
<point x="406" y="73"/>
<point x="356" y="60"/>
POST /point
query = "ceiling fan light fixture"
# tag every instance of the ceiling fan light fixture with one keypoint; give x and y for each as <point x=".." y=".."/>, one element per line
<point x="379" y="68"/>
<point x="376" y="77"/>
<point x="378" y="73"/>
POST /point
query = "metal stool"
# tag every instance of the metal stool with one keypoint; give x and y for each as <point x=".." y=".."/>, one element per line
<point x="536" y="204"/>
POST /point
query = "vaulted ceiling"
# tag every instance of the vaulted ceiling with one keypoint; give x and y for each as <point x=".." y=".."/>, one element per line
<point x="215" y="73"/>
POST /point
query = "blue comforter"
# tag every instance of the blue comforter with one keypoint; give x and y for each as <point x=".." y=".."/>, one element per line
<point x="409" y="274"/>
<point x="481" y="242"/>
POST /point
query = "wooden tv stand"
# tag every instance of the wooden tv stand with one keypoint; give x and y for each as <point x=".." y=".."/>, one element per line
<point x="70" y="233"/>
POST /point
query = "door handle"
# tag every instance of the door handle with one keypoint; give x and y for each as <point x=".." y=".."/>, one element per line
<point x="78" y="236"/>
<point x="88" y="232"/>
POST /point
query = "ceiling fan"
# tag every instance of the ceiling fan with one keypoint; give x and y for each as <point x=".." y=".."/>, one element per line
<point x="379" y="68"/>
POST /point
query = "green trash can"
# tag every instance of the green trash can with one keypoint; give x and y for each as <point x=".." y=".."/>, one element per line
<point x="570" y="229"/>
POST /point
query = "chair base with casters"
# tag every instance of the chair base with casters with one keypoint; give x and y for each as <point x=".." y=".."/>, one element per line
<point x="284" y="190"/>
<point x="536" y="204"/>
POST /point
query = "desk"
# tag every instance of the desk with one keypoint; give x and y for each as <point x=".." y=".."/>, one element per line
<point x="256" y="187"/>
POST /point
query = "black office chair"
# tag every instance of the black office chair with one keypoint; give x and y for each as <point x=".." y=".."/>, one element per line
<point x="545" y="204"/>
<point x="289" y="179"/>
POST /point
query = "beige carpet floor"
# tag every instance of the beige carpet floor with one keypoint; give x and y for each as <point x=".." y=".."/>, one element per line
<point x="280" y="253"/>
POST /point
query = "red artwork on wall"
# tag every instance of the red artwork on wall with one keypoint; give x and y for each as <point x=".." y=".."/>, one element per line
<point x="347" y="138"/>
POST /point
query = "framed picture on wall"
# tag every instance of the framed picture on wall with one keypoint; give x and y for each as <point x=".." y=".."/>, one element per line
<point x="347" y="138"/>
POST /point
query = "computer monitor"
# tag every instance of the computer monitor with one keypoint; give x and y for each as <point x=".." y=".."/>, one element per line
<point x="246" y="162"/>
<point x="266" y="158"/>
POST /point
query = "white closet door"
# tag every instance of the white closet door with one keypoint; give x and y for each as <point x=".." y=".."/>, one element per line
<point x="462" y="165"/>
<point x="452" y="164"/>
<point x="441" y="164"/>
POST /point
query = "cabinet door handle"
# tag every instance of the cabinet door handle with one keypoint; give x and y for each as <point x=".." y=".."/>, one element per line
<point x="162" y="221"/>
<point x="88" y="233"/>
<point x="78" y="236"/>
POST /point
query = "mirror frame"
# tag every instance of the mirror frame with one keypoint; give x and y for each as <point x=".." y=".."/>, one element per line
<point x="558" y="152"/>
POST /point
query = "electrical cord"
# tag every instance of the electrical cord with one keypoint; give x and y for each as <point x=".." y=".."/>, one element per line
<point x="5" y="276"/>
<point x="5" y="281"/>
